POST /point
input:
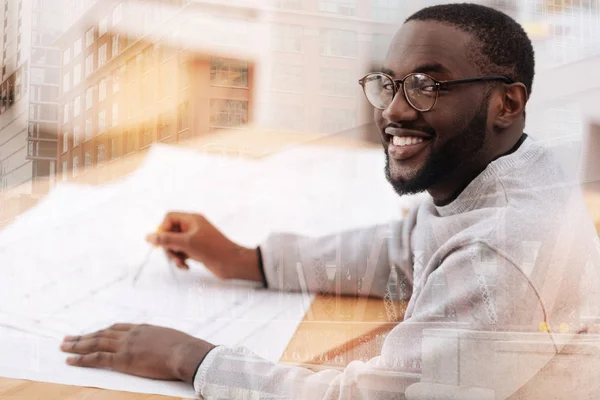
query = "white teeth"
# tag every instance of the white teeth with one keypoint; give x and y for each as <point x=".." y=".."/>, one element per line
<point x="406" y="141"/>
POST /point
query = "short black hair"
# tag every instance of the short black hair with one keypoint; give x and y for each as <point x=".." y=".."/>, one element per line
<point x="501" y="46"/>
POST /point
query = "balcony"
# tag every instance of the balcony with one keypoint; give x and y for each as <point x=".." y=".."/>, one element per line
<point x="41" y="149"/>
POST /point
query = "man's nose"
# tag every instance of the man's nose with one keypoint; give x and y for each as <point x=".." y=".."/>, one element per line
<point x="400" y="110"/>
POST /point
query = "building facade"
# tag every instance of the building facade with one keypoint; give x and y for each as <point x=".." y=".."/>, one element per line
<point x="122" y="92"/>
<point x="28" y="107"/>
<point x="168" y="71"/>
<point x="126" y="84"/>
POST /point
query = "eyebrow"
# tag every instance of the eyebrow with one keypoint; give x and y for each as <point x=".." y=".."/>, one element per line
<point x="424" y="69"/>
<point x="388" y="72"/>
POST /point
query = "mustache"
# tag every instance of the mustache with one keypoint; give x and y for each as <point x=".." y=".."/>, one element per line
<point x="426" y="129"/>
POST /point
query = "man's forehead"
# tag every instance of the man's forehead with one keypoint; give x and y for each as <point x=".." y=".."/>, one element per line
<point x="429" y="46"/>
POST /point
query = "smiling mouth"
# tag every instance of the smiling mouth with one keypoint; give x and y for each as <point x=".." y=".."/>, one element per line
<point x="403" y="141"/>
<point x="403" y="148"/>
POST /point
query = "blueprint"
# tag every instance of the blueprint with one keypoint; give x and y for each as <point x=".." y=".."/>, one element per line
<point x="67" y="265"/>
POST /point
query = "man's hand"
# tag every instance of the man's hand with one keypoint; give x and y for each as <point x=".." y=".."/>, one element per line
<point x="143" y="350"/>
<point x="192" y="236"/>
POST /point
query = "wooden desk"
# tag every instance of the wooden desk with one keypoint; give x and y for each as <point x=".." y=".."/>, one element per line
<point x="335" y="331"/>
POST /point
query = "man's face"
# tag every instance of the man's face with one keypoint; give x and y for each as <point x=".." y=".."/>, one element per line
<point x="454" y="131"/>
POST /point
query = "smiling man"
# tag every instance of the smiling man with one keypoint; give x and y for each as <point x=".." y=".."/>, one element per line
<point x="503" y="242"/>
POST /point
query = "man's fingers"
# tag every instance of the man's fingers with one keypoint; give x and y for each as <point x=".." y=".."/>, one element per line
<point x="90" y="345"/>
<point x="173" y="256"/>
<point x="178" y="259"/>
<point x="181" y="220"/>
<point x="93" y="360"/>
<point x="108" y="334"/>
<point x="181" y="264"/>
<point x="104" y="333"/>
<point x="122" y="327"/>
<point x="170" y="240"/>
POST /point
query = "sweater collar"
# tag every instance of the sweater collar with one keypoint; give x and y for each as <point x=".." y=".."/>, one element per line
<point x="517" y="158"/>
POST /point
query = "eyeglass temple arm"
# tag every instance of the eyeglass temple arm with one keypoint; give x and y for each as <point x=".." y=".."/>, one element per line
<point x="478" y="79"/>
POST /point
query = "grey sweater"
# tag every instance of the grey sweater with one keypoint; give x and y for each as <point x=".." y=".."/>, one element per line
<point x="516" y="251"/>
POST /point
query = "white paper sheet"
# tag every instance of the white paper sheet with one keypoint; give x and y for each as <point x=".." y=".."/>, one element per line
<point x="66" y="266"/>
<point x="28" y="356"/>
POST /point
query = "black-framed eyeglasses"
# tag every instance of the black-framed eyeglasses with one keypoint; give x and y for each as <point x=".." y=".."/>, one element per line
<point x="420" y="90"/>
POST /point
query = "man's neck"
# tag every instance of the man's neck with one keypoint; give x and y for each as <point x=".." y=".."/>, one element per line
<point x="445" y="195"/>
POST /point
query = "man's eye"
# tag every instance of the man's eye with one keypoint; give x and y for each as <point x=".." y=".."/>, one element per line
<point x="388" y="86"/>
<point x="428" y="89"/>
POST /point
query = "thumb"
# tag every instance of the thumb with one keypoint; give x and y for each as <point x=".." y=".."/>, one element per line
<point x="171" y="240"/>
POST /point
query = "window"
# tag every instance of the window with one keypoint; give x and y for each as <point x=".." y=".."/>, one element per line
<point x="102" y="90"/>
<point x="128" y="142"/>
<point x="131" y="102"/>
<point x="336" y="120"/>
<point x="65" y="142"/>
<point x="343" y="7"/>
<point x="102" y="55"/>
<point x="77" y="48"/>
<point x="89" y="65"/>
<point x="66" y="56"/>
<point x="66" y="113"/>
<point x="102" y="26"/>
<point x="116" y="82"/>
<point x="132" y="69"/>
<point x="146" y="135"/>
<point x="148" y="91"/>
<point x="101" y="122"/>
<point x="338" y="43"/>
<point x="75" y="165"/>
<point x="117" y="14"/>
<point x="65" y="170"/>
<point x="386" y="10"/>
<point x="88" y="161"/>
<point x="228" y="113"/>
<point x="287" y="77"/>
<point x="228" y="72"/>
<point x="66" y="82"/>
<point x="76" y="74"/>
<point x="148" y="59"/>
<point x="76" y="135"/>
<point x="116" y="49"/>
<point x="88" y="129"/>
<point x="164" y="81"/>
<point x="115" y="114"/>
<point x="287" y="38"/>
<point x="89" y="37"/>
<point x="184" y="76"/>
<point x="100" y="154"/>
<point x="89" y="98"/>
<point x="183" y="116"/>
<point x="337" y="82"/>
<point x="164" y="126"/>
<point x="76" y="106"/>
<point x="114" y="147"/>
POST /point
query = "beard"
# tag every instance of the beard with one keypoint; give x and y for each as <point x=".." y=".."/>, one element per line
<point x="443" y="161"/>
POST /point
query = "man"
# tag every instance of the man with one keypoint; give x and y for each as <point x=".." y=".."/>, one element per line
<point x="502" y="242"/>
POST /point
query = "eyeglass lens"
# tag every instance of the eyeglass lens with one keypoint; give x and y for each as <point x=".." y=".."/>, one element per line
<point x="420" y="91"/>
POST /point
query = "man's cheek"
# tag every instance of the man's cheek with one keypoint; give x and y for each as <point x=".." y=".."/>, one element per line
<point x="378" y="117"/>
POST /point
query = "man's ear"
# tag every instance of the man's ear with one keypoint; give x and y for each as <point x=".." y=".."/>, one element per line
<point x="510" y="105"/>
